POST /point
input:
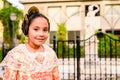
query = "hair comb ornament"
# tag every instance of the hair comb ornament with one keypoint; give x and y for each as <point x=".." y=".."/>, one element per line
<point x="25" y="24"/>
<point x="33" y="10"/>
<point x="26" y="18"/>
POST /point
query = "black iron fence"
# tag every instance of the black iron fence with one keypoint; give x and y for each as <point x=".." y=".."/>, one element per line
<point x="95" y="58"/>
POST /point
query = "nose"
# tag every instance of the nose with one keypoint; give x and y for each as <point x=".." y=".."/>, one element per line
<point x="41" y="33"/>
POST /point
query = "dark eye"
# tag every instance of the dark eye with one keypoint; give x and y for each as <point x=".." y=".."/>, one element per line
<point x="35" y="29"/>
<point x="46" y="29"/>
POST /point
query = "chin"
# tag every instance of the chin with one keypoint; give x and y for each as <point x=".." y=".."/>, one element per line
<point x="39" y="44"/>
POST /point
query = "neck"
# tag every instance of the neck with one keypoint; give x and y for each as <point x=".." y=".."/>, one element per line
<point x="33" y="48"/>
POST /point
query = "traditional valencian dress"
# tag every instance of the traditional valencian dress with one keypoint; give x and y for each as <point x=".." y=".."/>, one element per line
<point x="21" y="64"/>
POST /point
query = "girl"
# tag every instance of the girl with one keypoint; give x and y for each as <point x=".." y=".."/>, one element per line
<point x="33" y="60"/>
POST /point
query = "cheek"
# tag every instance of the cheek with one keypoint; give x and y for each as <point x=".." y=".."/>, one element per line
<point x="47" y="35"/>
<point x="31" y="34"/>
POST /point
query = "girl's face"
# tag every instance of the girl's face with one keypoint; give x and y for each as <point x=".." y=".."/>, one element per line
<point x="38" y="32"/>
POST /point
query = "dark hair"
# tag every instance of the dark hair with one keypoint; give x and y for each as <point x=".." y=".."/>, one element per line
<point x="33" y="13"/>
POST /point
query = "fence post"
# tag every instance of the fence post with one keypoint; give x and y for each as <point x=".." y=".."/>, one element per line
<point x="78" y="56"/>
<point x="54" y="43"/>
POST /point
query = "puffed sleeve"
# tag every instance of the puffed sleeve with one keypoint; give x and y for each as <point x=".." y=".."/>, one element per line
<point x="56" y="74"/>
<point x="55" y="71"/>
<point x="11" y="60"/>
<point x="10" y="65"/>
<point x="9" y="74"/>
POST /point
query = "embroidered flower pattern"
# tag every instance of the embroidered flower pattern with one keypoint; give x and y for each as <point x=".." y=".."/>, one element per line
<point x="28" y="67"/>
<point x="40" y="57"/>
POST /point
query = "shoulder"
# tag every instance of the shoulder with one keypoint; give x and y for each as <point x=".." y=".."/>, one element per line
<point x="51" y="54"/>
<point x="47" y="48"/>
<point x="14" y="53"/>
<point x="18" y="48"/>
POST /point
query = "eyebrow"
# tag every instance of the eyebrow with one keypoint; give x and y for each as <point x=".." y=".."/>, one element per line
<point x="39" y="27"/>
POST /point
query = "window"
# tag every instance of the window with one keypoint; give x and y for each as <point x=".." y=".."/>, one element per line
<point x="92" y="10"/>
<point x="73" y="18"/>
<point x="72" y="35"/>
<point x="55" y="13"/>
<point x="112" y="10"/>
<point x="112" y="14"/>
<point x="52" y="34"/>
<point x="73" y="11"/>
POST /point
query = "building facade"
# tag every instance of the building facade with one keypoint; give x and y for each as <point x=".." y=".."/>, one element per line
<point x="79" y="16"/>
<point x="1" y="26"/>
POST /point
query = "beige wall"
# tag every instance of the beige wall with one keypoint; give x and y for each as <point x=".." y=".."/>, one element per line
<point x="26" y="1"/>
<point x="1" y="4"/>
<point x="43" y="7"/>
<point x="1" y="26"/>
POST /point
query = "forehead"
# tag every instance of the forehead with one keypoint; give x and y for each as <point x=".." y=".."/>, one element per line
<point x="39" y="21"/>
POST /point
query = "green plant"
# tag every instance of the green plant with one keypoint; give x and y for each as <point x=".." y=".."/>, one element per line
<point x="67" y="51"/>
<point x="61" y="37"/>
<point x="109" y="46"/>
<point x="61" y="32"/>
<point x="5" y="18"/>
<point x="0" y="54"/>
<point x="21" y="38"/>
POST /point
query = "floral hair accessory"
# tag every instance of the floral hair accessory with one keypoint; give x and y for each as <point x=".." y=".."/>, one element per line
<point x="26" y="18"/>
<point x="33" y="10"/>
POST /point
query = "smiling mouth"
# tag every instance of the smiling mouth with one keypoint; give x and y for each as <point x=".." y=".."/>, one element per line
<point x="40" y="39"/>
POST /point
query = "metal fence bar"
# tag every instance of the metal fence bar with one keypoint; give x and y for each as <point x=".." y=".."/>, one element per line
<point x="78" y="57"/>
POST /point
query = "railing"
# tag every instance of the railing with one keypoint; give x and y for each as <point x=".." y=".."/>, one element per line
<point x="86" y="60"/>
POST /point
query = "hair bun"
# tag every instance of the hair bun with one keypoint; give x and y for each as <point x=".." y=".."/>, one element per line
<point x="33" y="10"/>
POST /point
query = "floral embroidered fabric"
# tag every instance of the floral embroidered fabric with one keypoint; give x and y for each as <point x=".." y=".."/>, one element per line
<point x="30" y="66"/>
